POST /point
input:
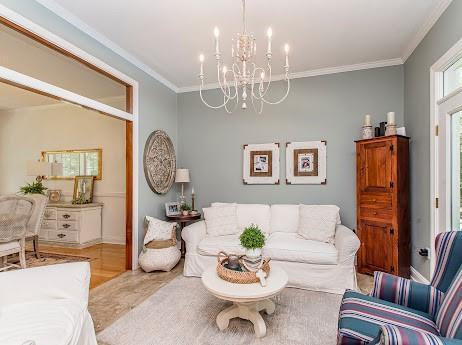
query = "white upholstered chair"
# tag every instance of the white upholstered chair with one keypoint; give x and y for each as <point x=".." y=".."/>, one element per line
<point x="15" y="213"/>
<point x="35" y="221"/>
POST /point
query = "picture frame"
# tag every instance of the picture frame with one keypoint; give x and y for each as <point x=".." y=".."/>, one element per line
<point x="261" y="163"/>
<point x="172" y="209"/>
<point x="306" y="162"/>
<point x="83" y="189"/>
<point x="54" y="195"/>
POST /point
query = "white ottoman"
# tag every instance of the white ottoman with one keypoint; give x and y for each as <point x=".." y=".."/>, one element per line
<point x="159" y="259"/>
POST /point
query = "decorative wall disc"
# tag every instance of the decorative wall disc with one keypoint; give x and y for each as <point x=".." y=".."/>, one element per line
<point x="159" y="162"/>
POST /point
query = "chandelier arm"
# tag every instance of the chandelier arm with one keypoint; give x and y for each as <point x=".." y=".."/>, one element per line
<point x="219" y="80"/>
<point x="283" y="98"/>
<point x="258" y="111"/>
<point x="236" y="94"/>
<point x="261" y="95"/>
<point x="226" y="100"/>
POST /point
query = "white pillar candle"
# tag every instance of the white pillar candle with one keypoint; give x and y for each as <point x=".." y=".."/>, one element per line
<point x="367" y="120"/>
<point x="269" y="34"/>
<point x="391" y="118"/>
<point x="192" y="192"/>
<point x="216" y="33"/>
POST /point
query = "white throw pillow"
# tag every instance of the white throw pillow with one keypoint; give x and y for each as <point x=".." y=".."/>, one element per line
<point x="158" y="230"/>
<point x="221" y="221"/>
<point x="318" y="222"/>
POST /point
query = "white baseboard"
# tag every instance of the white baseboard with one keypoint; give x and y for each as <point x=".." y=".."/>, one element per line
<point x="418" y="277"/>
<point x="113" y="240"/>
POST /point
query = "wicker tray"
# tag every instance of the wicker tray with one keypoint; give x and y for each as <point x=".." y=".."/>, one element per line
<point x="237" y="277"/>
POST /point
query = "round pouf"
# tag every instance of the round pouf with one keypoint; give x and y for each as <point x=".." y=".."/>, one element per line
<point x="159" y="259"/>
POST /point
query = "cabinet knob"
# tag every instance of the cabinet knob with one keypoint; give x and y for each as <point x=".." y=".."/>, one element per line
<point x="61" y="235"/>
<point x="66" y="226"/>
<point x="66" y="216"/>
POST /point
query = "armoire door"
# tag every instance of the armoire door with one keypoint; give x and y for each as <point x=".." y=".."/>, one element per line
<point x="376" y="252"/>
<point x="376" y="166"/>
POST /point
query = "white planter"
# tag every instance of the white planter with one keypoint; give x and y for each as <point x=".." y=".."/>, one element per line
<point x="253" y="253"/>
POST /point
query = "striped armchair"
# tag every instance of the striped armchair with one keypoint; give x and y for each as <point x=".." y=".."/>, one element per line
<point x="400" y="311"/>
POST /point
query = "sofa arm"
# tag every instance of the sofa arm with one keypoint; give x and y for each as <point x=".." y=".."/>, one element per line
<point x="346" y="242"/>
<point x="407" y="293"/>
<point x="394" y="335"/>
<point x="63" y="281"/>
<point x="193" y="234"/>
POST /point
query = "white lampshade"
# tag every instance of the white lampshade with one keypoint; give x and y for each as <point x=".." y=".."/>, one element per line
<point x="35" y="168"/>
<point x="182" y="176"/>
<point x="56" y="169"/>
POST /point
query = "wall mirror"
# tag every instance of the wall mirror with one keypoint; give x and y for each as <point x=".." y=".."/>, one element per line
<point x="76" y="162"/>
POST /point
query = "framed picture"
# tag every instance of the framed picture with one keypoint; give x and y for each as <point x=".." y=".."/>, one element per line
<point x="261" y="163"/>
<point x="54" y="195"/>
<point x="83" y="189"/>
<point x="172" y="209"/>
<point x="306" y="162"/>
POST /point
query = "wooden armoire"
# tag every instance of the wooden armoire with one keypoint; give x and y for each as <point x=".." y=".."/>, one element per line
<point x="382" y="205"/>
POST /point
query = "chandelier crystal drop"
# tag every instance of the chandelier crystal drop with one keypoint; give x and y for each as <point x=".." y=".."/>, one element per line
<point x="244" y="79"/>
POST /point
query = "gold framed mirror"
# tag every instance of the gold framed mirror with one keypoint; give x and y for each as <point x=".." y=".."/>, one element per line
<point x="87" y="162"/>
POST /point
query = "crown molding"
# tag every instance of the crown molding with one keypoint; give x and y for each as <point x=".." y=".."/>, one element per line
<point x="98" y="36"/>
<point x="311" y="73"/>
<point x="433" y="17"/>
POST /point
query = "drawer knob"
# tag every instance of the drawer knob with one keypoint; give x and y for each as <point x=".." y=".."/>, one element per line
<point x="66" y="216"/>
<point x="61" y="235"/>
<point x="374" y="213"/>
<point x="66" y="226"/>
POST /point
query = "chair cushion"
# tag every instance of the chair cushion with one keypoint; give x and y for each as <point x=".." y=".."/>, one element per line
<point x="449" y="317"/>
<point x="8" y="246"/>
<point x="362" y="316"/>
<point x="212" y="245"/>
<point x="318" y="222"/>
<point x="50" y="322"/>
<point x="221" y="221"/>
<point x="292" y="247"/>
<point x="284" y="218"/>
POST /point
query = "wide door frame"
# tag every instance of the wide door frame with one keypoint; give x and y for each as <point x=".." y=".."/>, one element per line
<point x="131" y="115"/>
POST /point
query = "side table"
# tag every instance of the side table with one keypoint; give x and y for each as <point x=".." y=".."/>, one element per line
<point x="183" y="220"/>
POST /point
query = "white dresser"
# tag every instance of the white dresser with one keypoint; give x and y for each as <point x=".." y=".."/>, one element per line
<point x="72" y="224"/>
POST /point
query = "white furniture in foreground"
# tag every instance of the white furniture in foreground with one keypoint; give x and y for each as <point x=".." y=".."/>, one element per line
<point x="248" y="299"/>
<point x="313" y="265"/>
<point x="47" y="305"/>
<point x="77" y="225"/>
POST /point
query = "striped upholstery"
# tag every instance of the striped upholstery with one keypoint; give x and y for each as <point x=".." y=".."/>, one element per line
<point x="392" y="335"/>
<point x="361" y="317"/>
<point x="449" y="318"/>
<point x="406" y="292"/>
<point x="448" y="247"/>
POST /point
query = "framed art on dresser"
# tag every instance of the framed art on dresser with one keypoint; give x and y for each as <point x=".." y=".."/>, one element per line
<point x="261" y="163"/>
<point x="306" y="162"/>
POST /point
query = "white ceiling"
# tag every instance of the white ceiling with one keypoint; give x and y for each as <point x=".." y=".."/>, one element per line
<point x="166" y="37"/>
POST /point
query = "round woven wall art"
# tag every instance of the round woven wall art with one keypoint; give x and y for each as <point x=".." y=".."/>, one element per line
<point x="159" y="162"/>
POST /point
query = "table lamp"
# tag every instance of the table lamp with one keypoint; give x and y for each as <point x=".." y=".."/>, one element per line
<point x="182" y="176"/>
<point x="39" y="169"/>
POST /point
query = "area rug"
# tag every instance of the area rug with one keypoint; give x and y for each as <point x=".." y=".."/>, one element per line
<point x="183" y="312"/>
<point x="48" y="259"/>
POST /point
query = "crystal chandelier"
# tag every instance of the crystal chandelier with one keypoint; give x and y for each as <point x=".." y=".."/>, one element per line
<point x="244" y="78"/>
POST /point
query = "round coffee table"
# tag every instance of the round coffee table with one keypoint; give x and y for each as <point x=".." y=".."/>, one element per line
<point x="248" y="299"/>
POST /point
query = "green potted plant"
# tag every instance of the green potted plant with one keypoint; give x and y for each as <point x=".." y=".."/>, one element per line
<point x="185" y="209"/>
<point x="253" y="240"/>
<point x="33" y="188"/>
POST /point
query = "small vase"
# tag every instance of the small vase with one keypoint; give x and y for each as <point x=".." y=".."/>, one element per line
<point x="253" y="253"/>
<point x="367" y="132"/>
<point x="390" y="130"/>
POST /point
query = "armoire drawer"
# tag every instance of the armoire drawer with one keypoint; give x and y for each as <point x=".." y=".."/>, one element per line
<point x="50" y="213"/>
<point x="375" y="213"/>
<point x="376" y="200"/>
<point x="68" y="215"/>
<point x="68" y="225"/>
<point x="48" y="224"/>
<point x="63" y="236"/>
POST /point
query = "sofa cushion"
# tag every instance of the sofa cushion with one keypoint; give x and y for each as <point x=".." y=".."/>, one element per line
<point x="247" y="214"/>
<point x="50" y="322"/>
<point x="221" y="221"/>
<point x="284" y="218"/>
<point x="291" y="247"/>
<point x="212" y="245"/>
<point x="318" y="222"/>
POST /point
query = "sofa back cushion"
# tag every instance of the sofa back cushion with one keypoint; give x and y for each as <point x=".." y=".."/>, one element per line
<point x="221" y="221"/>
<point x="247" y="214"/>
<point x="284" y="218"/>
<point x="449" y="317"/>
<point x="318" y="222"/>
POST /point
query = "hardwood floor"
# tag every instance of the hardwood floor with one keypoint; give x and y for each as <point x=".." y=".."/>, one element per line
<point x="107" y="260"/>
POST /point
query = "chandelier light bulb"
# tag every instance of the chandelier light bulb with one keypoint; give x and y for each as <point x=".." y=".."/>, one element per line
<point x="286" y="49"/>
<point x="201" y="58"/>
<point x="262" y="75"/>
<point x="216" y="32"/>
<point x="225" y="69"/>
<point x="269" y="33"/>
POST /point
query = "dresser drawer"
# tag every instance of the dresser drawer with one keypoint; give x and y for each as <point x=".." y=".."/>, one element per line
<point x="375" y="200"/>
<point x="50" y="213"/>
<point x="63" y="236"/>
<point x="68" y="225"/>
<point x="68" y="215"/>
<point x="49" y="224"/>
<point x="43" y="234"/>
<point x="375" y="213"/>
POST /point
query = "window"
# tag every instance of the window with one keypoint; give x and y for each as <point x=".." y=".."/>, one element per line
<point x="456" y="172"/>
<point x="76" y="162"/>
<point x="453" y="77"/>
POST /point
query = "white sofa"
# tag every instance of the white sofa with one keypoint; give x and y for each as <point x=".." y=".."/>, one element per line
<point x="46" y="306"/>
<point x="309" y="264"/>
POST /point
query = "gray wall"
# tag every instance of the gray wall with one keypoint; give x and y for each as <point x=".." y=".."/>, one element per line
<point x="444" y="34"/>
<point x="328" y="107"/>
<point x="158" y="104"/>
